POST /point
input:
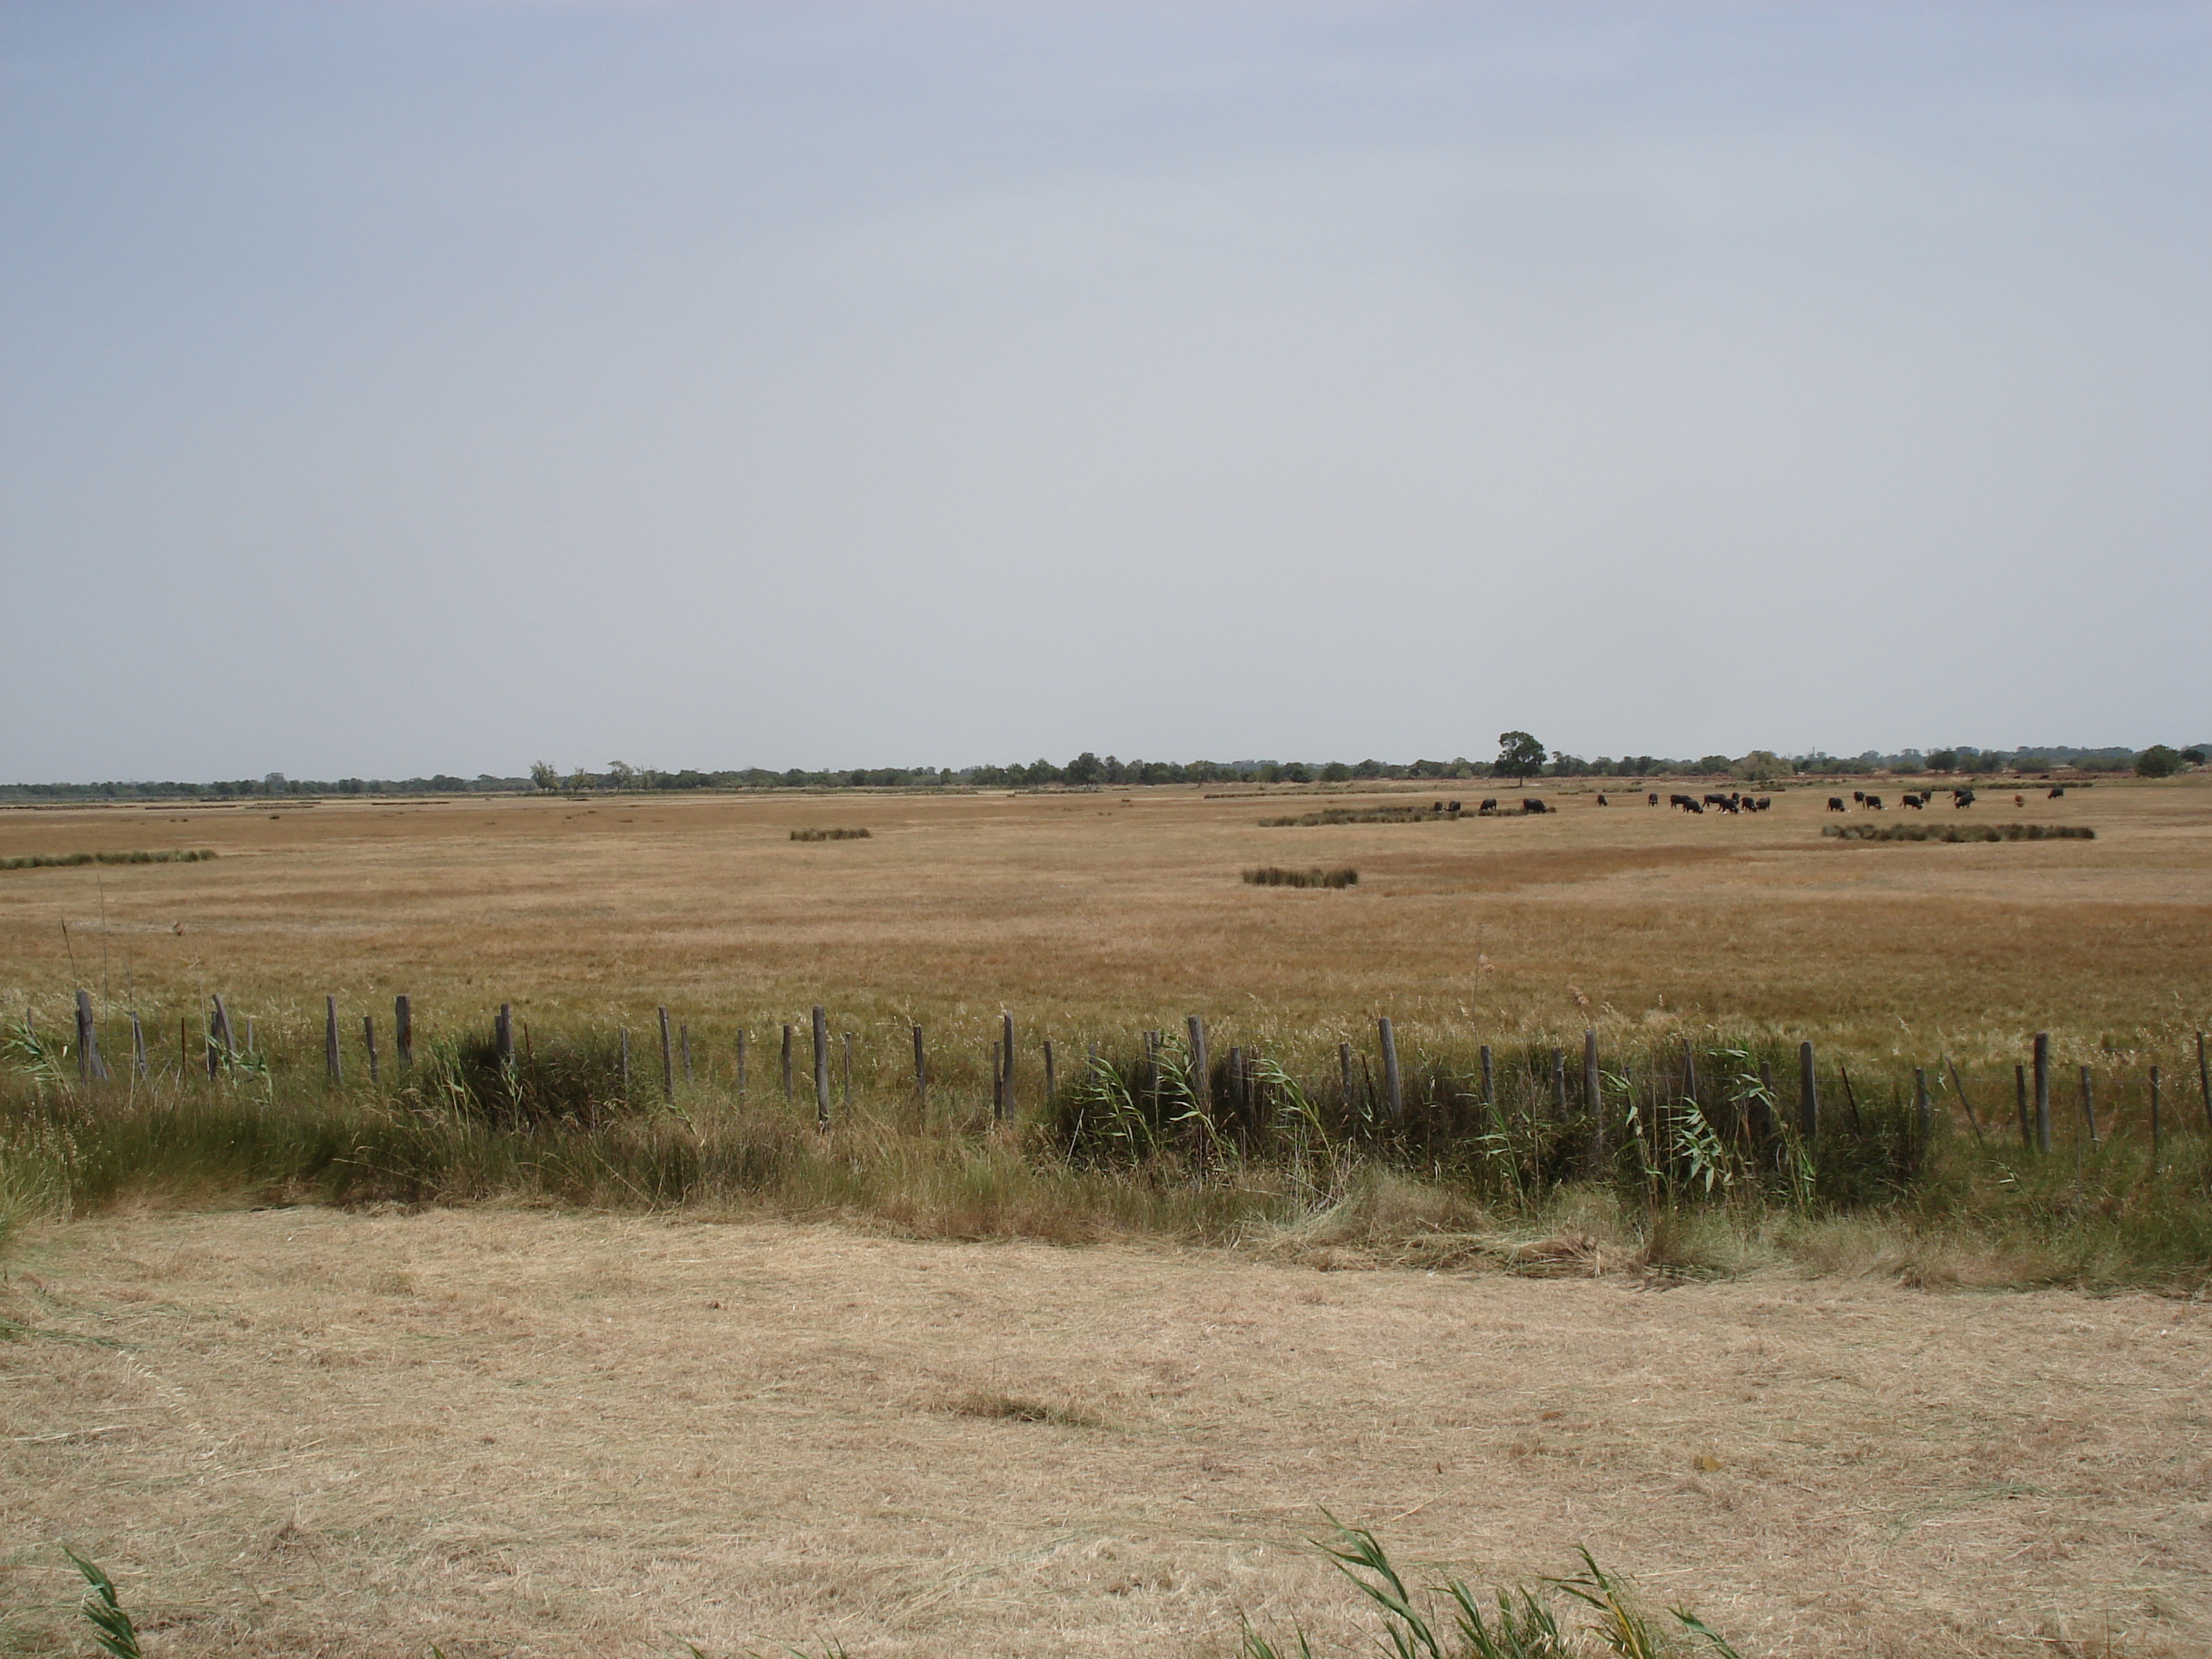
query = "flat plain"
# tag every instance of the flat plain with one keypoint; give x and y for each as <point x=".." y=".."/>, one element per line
<point x="1102" y="913"/>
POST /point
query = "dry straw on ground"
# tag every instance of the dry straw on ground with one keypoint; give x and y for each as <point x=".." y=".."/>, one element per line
<point x="297" y="1432"/>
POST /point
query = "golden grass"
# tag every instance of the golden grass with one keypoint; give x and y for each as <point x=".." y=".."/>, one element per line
<point x="503" y="1430"/>
<point x="1099" y="914"/>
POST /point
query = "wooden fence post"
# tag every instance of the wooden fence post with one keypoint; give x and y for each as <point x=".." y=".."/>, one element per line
<point x="1201" y="1069"/>
<point x="667" y="1058"/>
<point x="2089" y="1107"/>
<point x="920" y="1074"/>
<point x="1394" y="1098"/>
<point x="333" y="1063"/>
<point x="87" y="1031"/>
<point x="1594" y="1097"/>
<point x="2204" y="1080"/>
<point x="503" y="1034"/>
<point x="2153" y="1113"/>
<point x="820" y="1067"/>
<point x="219" y="1047"/>
<point x="138" y="1046"/>
<point x="403" y="1032"/>
<point x="2042" y="1058"/>
<point x="1808" y="1095"/>
<point x="369" y="1042"/>
<point x="1006" y="1037"/>
<point x="1924" y="1116"/>
<point x="786" y="1065"/>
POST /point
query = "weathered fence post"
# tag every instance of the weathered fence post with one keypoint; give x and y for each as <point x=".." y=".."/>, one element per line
<point x="1394" y="1097"/>
<point x="403" y="1032"/>
<point x="333" y="1064"/>
<point x="89" y="1066"/>
<point x="2089" y="1107"/>
<point x="2042" y="1092"/>
<point x="786" y="1065"/>
<point x="1593" y="1097"/>
<point x="2020" y="1099"/>
<point x="1006" y="1038"/>
<point x="1201" y="1070"/>
<point x="742" y="1045"/>
<point x="1923" y="1115"/>
<point x="2204" y="1080"/>
<point x="820" y="1067"/>
<point x="667" y="1058"/>
<point x="503" y="1034"/>
<point x="369" y="1042"/>
<point x="920" y="1074"/>
<point x="2153" y="1113"/>
<point x="219" y="1047"/>
<point x="138" y="1046"/>
<point x="1808" y="1095"/>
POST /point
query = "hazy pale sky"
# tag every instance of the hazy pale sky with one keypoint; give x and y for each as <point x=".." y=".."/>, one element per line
<point x="388" y="388"/>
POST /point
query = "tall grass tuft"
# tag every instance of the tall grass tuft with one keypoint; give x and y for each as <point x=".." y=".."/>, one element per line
<point x="1452" y="1621"/>
<point x="860" y="834"/>
<point x="1960" y="832"/>
<point x="1269" y="875"/>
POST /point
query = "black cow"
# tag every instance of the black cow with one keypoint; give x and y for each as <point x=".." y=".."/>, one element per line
<point x="2055" y="792"/>
<point x="1914" y="801"/>
<point x="1729" y="805"/>
<point x="1762" y="804"/>
<point x="1873" y="803"/>
<point x="1602" y="801"/>
<point x="1836" y="803"/>
<point x="1651" y="799"/>
<point x="1530" y="804"/>
<point x="1452" y="808"/>
<point x="1487" y="808"/>
<point x="1961" y="798"/>
<point x="1859" y="795"/>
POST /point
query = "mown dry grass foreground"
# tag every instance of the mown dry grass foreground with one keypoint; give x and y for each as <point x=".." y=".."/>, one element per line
<point x="300" y="1431"/>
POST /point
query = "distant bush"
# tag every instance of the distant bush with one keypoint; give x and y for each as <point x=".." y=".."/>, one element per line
<point x="1960" y="832"/>
<point x="66" y="861"/>
<point x="1268" y="875"/>
<point x="1359" y="815"/>
<point x="829" y="835"/>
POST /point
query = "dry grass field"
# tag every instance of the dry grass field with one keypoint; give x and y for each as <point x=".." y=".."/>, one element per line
<point x="299" y="1432"/>
<point x="1088" y="913"/>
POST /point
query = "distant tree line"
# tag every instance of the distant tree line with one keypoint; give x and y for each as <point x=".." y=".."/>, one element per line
<point x="1521" y="755"/>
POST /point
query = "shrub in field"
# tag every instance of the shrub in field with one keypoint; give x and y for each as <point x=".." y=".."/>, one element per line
<point x="1269" y="875"/>
<point x="1359" y="815"/>
<point x="70" y="860"/>
<point x="829" y="835"/>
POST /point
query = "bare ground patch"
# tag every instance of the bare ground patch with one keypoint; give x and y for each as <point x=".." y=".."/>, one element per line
<point x="511" y="1432"/>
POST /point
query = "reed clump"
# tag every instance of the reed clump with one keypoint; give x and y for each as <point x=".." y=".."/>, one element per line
<point x="1960" y="832"/>
<point x="1269" y="875"/>
<point x="72" y="861"/>
<point x="838" y="834"/>
<point x="1362" y="815"/>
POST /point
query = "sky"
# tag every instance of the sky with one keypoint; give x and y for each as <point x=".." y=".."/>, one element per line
<point x="396" y="388"/>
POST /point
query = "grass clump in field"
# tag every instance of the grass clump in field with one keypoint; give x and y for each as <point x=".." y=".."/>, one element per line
<point x="72" y="861"/>
<point x="860" y="834"/>
<point x="1585" y="1615"/>
<point x="1360" y="815"/>
<point x="1959" y="832"/>
<point x="1269" y="875"/>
